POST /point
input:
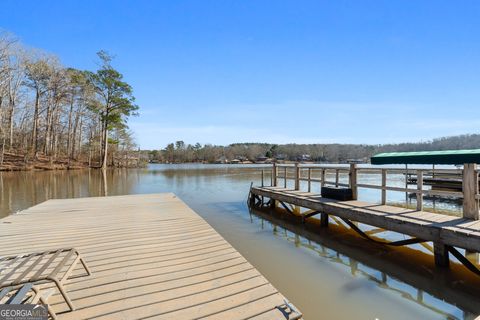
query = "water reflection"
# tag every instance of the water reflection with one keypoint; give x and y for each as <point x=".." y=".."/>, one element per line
<point x="20" y="190"/>
<point x="452" y="295"/>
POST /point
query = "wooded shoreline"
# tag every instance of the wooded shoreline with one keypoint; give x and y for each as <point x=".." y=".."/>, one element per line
<point x="19" y="162"/>
<point x="245" y="153"/>
<point x="51" y="114"/>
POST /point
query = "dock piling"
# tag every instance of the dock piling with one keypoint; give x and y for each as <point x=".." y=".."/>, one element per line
<point x="470" y="190"/>
<point x="353" y="180"/>
<point x="470" y="202"/>
<point x="440" y="252"/>
<point x="324" y="220"/>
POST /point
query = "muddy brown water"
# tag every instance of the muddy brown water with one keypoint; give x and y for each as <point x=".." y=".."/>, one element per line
<point x="328" y="274"/>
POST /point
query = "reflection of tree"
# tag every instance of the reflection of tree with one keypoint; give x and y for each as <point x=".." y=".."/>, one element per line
<point x="22" y="189"/>
<point x="105" y="183"/>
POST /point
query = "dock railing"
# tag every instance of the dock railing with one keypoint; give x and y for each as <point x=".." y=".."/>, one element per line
<point x="347" y="176"/>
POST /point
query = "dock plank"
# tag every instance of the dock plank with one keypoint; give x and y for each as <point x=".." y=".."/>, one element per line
<point x="151" y="257"/>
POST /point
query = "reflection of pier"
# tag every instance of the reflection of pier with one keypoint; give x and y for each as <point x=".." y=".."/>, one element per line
<point x="418" y="282"/>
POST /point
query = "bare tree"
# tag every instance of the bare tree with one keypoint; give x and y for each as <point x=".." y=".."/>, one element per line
<point x="56" y="113"/>
<point x="37" y="74"/>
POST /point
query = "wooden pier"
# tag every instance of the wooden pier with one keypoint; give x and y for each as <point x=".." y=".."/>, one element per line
<point x="151" y="257"/>
<point x="292" y="188"/>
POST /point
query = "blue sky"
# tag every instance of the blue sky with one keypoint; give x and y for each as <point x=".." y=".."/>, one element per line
<point x="275" y="71"/>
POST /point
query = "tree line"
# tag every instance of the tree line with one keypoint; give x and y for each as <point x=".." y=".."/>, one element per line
<point x="180" y="152"/>
<point x="51" y="111"/>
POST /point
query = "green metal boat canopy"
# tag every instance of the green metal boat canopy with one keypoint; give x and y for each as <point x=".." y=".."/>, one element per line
<point x="428" y="157"/>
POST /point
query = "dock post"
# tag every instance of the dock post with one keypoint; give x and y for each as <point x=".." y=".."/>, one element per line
<point x="297" y="176"/>
<point x="470" y="189"/>
<point x="309" y="179"/>
<point x="251" y="199"/>
<point x="274" y="175"/>
<point x="296" y="209"/>
<point x="470" y="203"/>
<point x="353" y="180"/>
<point x="440" y="253"/>
<point x="406" y="185"/>
<point x="384" y="186"/>
<point x="419" y="190"/>
<point x="273" y="202"/>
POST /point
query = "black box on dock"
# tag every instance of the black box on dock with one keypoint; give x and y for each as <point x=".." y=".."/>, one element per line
<point x="337" y="193"/>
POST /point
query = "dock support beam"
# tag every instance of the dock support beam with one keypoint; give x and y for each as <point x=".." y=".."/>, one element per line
<point x="440" y="252"/>
<point x="324" y="220"/>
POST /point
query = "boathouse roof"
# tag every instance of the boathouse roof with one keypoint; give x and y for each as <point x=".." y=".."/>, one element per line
<point x="428" y="157"/>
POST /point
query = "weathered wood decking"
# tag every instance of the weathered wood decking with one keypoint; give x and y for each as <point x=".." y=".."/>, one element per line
<point x="151" y="257"/>
<point x="449" y="230"/>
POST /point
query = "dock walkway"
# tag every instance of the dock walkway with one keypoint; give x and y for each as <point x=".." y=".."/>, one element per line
<point x="151" y="257"/>
<point x="444" y="229"/>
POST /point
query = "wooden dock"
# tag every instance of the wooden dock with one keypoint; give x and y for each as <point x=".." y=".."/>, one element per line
<point x="428" y="226"/>
<point x="448" y="233"/>
<point x="151" y="257"/>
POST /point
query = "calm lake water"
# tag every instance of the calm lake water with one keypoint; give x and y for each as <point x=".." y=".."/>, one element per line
<point x="328" y="274"/>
